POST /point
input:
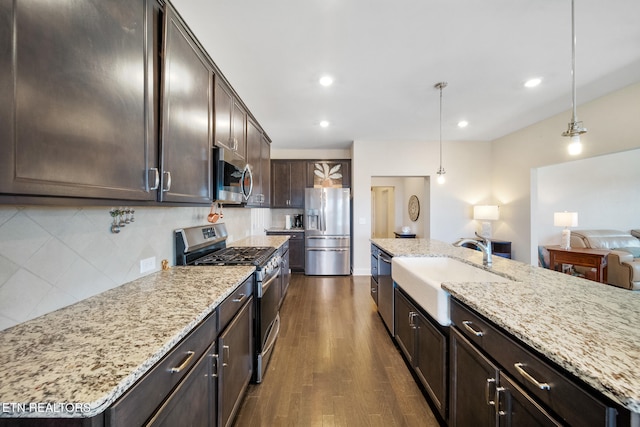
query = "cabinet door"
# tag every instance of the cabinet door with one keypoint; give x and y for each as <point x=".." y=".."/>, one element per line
<point x="296" y="252"/>
<point x="517" y="408"/>
<point x="77" y="91"/>
<point x="281" y="190"/>
<point x="265" y="171"/>
<point x="223" y="111"/>
<point x="297" y="179"/>
<point x="235" y="365"/>
<point x="473" y="380"/>
<point x="186" y="109"/>
<point x="254" y="145"/>
<point x="404" y="314"/>
<point x="191" y="403"/>
<point x="239" y="119"/>
<point x="430" y="361"/>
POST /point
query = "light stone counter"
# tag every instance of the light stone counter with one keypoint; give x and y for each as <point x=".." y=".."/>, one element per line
<point x="590" y="329"/>
<point x="91" y="352"/>
<point x="274" y="241"/>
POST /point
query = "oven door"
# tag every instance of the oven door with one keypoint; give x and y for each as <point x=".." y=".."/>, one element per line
<point x="268" y="321"/>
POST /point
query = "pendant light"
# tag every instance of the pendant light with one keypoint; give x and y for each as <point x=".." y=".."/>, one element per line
<point x="575" y="128"/>
<point x="441" y="171"/>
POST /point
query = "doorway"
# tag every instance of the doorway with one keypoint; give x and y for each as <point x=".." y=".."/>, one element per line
<point x="382" y="211"/>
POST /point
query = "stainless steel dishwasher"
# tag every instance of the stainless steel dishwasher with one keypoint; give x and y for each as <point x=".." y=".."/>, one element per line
<point x="385" y="291"/>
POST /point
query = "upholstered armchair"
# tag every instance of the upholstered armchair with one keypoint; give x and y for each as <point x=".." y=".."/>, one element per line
<point x="623" y="262"/>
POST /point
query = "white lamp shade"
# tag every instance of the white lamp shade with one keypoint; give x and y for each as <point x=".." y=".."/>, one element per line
<point x="565" y="219"/>
<point x="486" y="212"/>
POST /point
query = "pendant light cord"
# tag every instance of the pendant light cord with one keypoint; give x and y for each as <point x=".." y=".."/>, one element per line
<point x="573" y="63"/>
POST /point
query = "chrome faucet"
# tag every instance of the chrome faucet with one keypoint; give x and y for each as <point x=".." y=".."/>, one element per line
<point x="485" y="247"/>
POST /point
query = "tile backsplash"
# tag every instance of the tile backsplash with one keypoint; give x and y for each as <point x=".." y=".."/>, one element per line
<point x="51" y="257"/>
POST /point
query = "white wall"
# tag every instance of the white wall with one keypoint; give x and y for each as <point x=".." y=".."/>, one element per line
<point x="604" y="190"/>
<point x="468" y="183"/>
<point x="51" y="257"/>
<point x="613" y="124"/>
<point x="405" y="187"/>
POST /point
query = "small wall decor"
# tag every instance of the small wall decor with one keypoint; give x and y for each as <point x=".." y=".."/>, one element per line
<point x="327" y="175"/>
<point x="414" y="208"/>
<point x="121" y="217"/>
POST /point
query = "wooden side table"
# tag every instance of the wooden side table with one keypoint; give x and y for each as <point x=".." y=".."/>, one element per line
<point x="583" y="257"/>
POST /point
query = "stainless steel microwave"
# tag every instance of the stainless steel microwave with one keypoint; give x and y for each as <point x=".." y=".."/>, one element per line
<point x="233" y="181"/>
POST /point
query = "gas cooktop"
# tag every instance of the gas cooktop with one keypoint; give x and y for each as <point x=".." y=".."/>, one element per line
<point x="238" y="255"/>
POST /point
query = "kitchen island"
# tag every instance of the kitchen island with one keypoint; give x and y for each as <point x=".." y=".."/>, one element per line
<point x="587" y="328"/>
<point x="75" y="362"/>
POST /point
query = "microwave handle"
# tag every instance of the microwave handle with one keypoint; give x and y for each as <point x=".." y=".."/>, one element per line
<point x="246" y="173"/>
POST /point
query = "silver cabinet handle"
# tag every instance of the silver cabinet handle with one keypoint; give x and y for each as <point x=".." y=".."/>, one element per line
<point x="412" y="316"/>
<point x="487" y="391"/>
<point x="225" y="355"/>
<point x="467" y="325"/>
<point x="156" y="179"/>
<point x="184" y="363"/>
<point x="520" y="368"/>
<point x="214" y="367"/>
<point x="502" y="404"/>
<point x="167" y="186"/>
<point x="240" y="298"/>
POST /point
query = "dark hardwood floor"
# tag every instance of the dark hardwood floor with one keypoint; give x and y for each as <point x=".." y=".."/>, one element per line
<point x="334" y="364"/>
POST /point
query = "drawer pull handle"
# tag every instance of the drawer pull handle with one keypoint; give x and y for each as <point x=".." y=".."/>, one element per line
<point x="520" y="368"/>
<point x="240" y="298"/>
<point x="467" y="325"/>
<point x="487" y="391"/>
<point x="225" y="356"/>
<point x="184" y="363"/>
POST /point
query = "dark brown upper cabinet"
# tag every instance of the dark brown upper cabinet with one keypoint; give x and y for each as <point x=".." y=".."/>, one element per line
<point x="230" y="121"/>
<point x="186" y="125"/>
<point x="78" y="88"/>
<point x="258" y="157"/>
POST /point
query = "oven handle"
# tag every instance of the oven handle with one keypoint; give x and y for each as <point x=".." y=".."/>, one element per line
<point x="267" y="283"/>
<point x="273" y="334"/>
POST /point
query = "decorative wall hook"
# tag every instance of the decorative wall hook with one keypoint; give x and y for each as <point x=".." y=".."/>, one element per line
<point x="121" y="217"/>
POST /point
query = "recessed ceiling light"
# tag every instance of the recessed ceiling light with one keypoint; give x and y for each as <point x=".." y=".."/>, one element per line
<point x="324" y="124"/>
<point x="463" y="124"/>
<point x="326" y="80"/>
<point x="533" y="82"/>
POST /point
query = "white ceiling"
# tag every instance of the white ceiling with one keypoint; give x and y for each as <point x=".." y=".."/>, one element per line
<point x="387" y="55"/>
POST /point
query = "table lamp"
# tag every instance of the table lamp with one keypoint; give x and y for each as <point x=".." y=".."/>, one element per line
<point x="486" y="213"/>
<point x="566" y="220"/>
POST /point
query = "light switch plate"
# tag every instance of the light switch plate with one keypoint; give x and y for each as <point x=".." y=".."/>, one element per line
<point x="147" y="264"/>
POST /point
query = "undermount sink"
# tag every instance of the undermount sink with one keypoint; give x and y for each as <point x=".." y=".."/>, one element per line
<point x="421" y="277"/>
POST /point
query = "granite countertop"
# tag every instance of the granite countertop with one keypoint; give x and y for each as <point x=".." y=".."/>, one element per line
<point x="588" y="328"/>
<point x="285" y="230"/>
<point x="88" y="354"/>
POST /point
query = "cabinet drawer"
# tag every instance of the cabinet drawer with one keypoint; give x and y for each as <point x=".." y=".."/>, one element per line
<point x="141" y="400"/>
<point x="550" y="386"/>
<point x="234" y="302"/>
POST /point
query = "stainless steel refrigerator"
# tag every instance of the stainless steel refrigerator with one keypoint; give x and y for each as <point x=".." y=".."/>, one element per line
<point x="327" y="225"/>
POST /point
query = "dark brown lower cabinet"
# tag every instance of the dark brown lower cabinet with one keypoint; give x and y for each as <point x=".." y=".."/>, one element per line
<point x="193" y="402"/>
<point x="424" y="345"/>
<point x="296" y="248"/>
<point x="235" y="363"/>
<point x="482" y="395"/>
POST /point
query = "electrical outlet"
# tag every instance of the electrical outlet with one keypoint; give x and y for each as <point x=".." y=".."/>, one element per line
<point x="147" y="264"/>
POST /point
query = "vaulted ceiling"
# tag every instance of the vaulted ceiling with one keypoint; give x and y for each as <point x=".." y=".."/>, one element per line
<point x="386" y="56"/>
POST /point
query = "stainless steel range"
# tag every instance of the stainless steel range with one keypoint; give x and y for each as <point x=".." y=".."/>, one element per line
<point x="206" y="245"/>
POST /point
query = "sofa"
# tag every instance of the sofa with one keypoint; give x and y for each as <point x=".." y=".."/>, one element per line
<point x="623" y="262"/>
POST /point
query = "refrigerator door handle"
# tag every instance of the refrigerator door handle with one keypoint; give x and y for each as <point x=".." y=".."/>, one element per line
<point x="323" y="211"/>
<point x="327" y="249"/>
